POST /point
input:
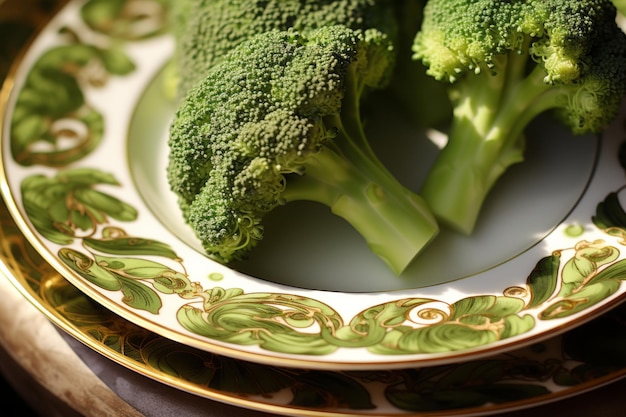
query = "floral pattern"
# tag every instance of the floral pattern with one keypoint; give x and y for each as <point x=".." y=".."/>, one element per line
<point x="55" y="126"/>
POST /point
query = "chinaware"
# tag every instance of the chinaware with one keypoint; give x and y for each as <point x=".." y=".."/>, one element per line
<point x="582" y="359"/>
<point x="84" y="131"/>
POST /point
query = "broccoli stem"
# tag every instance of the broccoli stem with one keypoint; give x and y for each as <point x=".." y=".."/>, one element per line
<point x="491" y="111"/>
<point x="394" y="221"/>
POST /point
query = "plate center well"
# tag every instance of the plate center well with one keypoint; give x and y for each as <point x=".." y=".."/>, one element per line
<point x="306" y="246"/>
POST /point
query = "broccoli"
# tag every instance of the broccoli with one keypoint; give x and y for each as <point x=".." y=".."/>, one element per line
<point x="277" y="120"/>
<point x="506" y="62"/>
<point x="210" y="28"/>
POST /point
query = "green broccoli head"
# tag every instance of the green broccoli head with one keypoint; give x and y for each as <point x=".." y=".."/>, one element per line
<point x="277" y="120"/>
<point x="587" y="63"/>
<point x="211" y="28"/>
<point x="505" y="63"/>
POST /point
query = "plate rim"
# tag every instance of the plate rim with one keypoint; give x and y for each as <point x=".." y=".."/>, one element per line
<point x="236" y="351"/>
<point x="11" y="270"/>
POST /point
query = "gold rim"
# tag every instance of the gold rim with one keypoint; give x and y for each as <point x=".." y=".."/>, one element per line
<point x="38" y="282"/>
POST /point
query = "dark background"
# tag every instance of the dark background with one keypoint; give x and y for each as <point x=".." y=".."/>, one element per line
<point x="19" y="20"/>
<point x="11" y="401"/>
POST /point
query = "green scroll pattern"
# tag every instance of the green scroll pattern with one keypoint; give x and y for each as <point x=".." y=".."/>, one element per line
<point x="70" y="208"/>
<point x="63" y="206"/>
<point x="588" y="352"/>
<point x="295" y="324"/>
<point x="129" y="20"/>
<point x="53" y="124"/>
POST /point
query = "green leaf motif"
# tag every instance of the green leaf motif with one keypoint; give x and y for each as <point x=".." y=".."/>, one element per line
<point x="103" y="203"/>
<point x="132" y="276"/>
<point x="115" y="241"/>
<point x="52" y="124"/>
<point x="116" y="61"/>
<point x="609" y="213"/>
<point x="84" y="266"/>
<point x="126" y="19"/>
<point x="137" y="295"/>
<point x="543" y="279"/>
<point x="262" y="319"/>
<point x="300" y="325"/>
<point x="589" y="277"/>
<point x="589" y="258"/>
<point x="514" y="377"/>
<point x="62" y="206"/>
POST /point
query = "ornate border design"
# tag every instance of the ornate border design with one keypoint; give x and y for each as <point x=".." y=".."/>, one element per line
<point x="54" y="126"/>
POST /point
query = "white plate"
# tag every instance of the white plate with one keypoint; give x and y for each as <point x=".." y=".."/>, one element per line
<point x="582" y="359"/>
<point x="312" y="295"/>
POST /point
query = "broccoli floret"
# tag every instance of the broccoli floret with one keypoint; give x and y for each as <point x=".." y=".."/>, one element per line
<point x="277" y="120"/>
<point x="506" y="62"/>
<point x="210" y="28"/>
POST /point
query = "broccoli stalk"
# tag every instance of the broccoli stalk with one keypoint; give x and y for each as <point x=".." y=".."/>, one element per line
<point x="486" y="138"/>
<point x="278" y="120"/>
<point x="506" y="63"/>
<point x="348" y="178"/>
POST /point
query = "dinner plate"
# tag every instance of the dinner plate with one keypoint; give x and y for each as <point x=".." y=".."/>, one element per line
<point x="580" y="360"/>
<point x="84" y="131"/>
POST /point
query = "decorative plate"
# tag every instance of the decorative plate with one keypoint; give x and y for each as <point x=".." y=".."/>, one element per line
<point x="580" y="360"/>
<point x="84" y="133"/>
